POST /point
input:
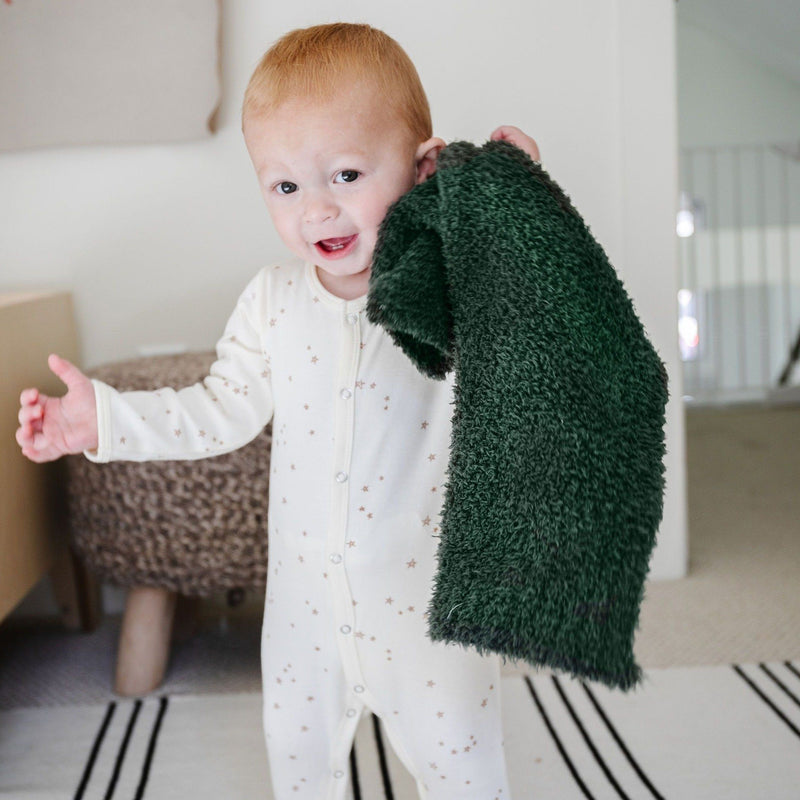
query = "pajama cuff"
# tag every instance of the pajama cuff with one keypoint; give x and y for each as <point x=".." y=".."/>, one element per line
<point x="103" y="452"/>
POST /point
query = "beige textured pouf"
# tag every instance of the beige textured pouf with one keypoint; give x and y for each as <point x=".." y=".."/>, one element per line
<point x="163" y="528"/>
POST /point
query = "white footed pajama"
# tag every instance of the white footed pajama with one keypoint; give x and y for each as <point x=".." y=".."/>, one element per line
<point x="358" y="469"/>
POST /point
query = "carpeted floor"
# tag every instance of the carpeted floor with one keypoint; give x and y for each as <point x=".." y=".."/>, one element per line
<point x="49" y="666"/>
<point x="739" y="602"/>
<point x="719" y="717"/>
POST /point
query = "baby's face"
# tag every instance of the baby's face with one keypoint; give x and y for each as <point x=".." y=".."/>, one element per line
<point x="328" y="173"/>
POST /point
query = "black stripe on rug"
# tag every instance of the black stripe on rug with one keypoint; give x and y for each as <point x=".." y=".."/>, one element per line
<point x="786" y="690"/>
<point x="123" y="748"/>
<point x="151" y="749"/>
<point x="588" y="739"/>
<point x="564" y="755"/>
<point x="388" y="793"/>
<point x="618" y="739"/>
<point x="98" y="741"/>
<point x="739" y="671"/>
<point x="354" y="774"/>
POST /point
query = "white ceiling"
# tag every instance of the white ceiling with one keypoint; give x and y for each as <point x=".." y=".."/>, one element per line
<point x="769" y="30"/>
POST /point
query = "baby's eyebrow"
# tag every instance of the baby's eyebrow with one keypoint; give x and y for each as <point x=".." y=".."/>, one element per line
<point x="271" y="169"/>
<point x="266" y="170"/>
<point x="348" y="153"/>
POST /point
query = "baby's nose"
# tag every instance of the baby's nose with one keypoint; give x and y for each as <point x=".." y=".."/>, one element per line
<point x="319" y="208"/>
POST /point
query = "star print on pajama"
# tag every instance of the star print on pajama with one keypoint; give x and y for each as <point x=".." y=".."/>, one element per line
<point x="358" y="474"/>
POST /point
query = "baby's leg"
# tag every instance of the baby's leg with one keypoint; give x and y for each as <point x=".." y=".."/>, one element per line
<point x="439" y="703"/>
<point x="449" y="734"/>
<point x="310" y="714"/>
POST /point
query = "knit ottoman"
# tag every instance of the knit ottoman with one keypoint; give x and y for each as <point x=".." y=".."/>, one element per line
<point x="168" y="528"/>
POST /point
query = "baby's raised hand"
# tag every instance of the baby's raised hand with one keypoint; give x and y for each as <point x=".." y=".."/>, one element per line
<point x="508" y="133"/>
<point x="50" y="427"/>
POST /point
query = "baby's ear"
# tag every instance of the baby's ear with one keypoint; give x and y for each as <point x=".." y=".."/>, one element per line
<point x="426" y="156"/>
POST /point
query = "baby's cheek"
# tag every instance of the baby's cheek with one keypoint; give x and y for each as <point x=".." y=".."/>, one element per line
<point x="287" y="232"/>
<point x="368" y="244"/>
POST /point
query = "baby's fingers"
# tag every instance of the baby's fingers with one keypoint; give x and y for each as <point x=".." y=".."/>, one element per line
<point x="28" y="397"/>
<point x="505" y="132"/>
<point x="29" y="413"/>
<point x="513" y="135"/>
<point x="36" y="446"/>
<point x="24" y="435"/>
<point x="38" y="456"/>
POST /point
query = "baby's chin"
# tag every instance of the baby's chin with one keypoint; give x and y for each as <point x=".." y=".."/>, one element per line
<point x="332" y="268"/>
<point x="349" y="274"/>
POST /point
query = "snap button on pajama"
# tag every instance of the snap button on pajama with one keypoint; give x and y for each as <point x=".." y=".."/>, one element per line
<point x="358" y="470"/>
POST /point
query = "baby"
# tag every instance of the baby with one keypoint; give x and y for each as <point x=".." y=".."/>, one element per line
<point x="338" y="127"/>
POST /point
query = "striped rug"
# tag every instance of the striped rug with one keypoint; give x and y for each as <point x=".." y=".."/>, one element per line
<point x="690" y="733"/>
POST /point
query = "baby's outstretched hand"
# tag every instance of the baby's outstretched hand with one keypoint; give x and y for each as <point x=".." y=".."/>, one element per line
<point x="50" y="427"/>
<point x="508" y="133"/>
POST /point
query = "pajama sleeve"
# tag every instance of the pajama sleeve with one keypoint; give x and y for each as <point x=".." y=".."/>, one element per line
<point x="408" y="285"/>
<point x="223" y="412"/>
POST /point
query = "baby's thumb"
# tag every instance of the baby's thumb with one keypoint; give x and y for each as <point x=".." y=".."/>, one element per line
<point x="67" y="372"/>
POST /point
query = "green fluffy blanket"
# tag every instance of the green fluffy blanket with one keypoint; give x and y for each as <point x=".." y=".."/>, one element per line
<point x="555" y="479"/>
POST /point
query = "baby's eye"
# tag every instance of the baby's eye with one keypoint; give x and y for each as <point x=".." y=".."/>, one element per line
<point x="346" y="176"/>
<point x="286" y="187"/>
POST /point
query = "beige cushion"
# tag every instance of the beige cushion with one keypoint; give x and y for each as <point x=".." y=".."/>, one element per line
<point x="193" y="527"/>
<point x="107" y="71"/>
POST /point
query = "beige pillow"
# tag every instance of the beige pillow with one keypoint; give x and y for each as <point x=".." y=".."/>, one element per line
<point x="107" y="71"/>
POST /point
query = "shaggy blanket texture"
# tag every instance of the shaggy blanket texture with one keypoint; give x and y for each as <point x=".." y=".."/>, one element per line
<point x="555" y="479"/>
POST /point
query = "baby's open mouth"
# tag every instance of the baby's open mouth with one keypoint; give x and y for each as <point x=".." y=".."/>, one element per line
<point x="336" y="243"/>
<point x="336" y="246"/>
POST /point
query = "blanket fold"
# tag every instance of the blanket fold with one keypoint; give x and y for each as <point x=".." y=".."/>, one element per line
<point x="555" y="479"/>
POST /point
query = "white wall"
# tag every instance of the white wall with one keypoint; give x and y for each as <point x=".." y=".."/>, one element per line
<point x="157" y="241"/>
<point x="727" y="96"/>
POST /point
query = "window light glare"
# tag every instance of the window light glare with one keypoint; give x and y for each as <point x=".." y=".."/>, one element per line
<point x="685" y="223"/>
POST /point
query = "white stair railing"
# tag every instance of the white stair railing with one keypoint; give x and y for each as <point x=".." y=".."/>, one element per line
<point x="739" y="306"/>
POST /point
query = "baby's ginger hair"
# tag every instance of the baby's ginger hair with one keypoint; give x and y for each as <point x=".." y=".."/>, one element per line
<point x="314" y="62"/>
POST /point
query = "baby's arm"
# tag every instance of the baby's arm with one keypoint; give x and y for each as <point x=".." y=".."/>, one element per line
<point x="51" y="427"/>
<point x="508" y="133"/>
<point x="221" y="413"/>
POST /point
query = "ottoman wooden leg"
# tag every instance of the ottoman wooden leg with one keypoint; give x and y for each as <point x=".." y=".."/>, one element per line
<point x="144" y="641"/>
